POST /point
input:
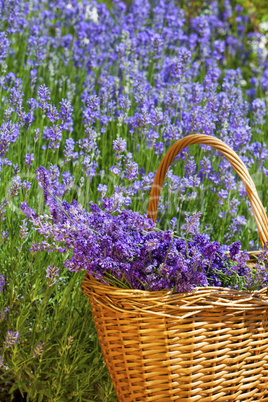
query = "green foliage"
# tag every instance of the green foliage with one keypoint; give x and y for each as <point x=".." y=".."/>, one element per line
<point x="57" y="357"/>
<point x="257" y="10"/>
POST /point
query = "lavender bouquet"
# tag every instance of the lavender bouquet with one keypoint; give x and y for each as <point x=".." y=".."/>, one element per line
<point x="127" y="250"/>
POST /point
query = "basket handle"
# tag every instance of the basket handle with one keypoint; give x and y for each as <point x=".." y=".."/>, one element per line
<point x="240" y="168"/>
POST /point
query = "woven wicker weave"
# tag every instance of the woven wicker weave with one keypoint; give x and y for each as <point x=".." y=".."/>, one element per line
<point x="208" y="345"/>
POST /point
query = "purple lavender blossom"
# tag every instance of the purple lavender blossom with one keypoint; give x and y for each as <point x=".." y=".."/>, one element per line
<point x="29" y="212"/>
<point x="11" y="339"/>
<point x="124" y="102"/>
<point x="223" y="194"/>
<point x="36" y="134"/>
<point x="259" y="110"/>
<point x="65" y="110"/>
<point x="54" y="134"/>
<point x="68" y="181"/>
<point x="4" y="44"/>
<point x="2" y="282"/>
<point x="2" y="365"/>
<point x="52" y="273"/>
<point x="38" y="350"/>
<point x="102" y="189"/>
<point x="15" y="187"/>
<point x="241" y="258"/>
<point x="23" y="233"/>
<point x="192" y="223"/>
<point x="120" y="146"/>
<point x="211" y="249"/>
<point x="70" y="341"/>
<point x="68" y="151"/>
<point x="234" y="250"/>
<point x="173" y="223"/>
<point x="120" y="246"/>
<point x="52" y="113"/>
<point x="4" y="236"/>
<point x="9" y="132"/>
<point x="33" y="78"/>
<point x="32" y="104"/>
<point x="219" y="47"/>
<point x="152" y="244"/>
<point x="44" y="94"/>
<point x="3" y="314"/>
<point x="131" y="170"/>
<point x="3" y="205"/>
<point x="48" y="181"/>
<point x="15" y="97"/>
<point x="29" y="160"/>
<point x="190" y="166"/>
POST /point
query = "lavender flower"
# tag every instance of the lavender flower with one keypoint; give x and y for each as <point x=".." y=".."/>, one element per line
<point x="11" y="339"/>
<point x="16" y="169"/>
<point x="223" y="194"/>
<point x="52" y="113"/>
<point x="38" y="350"/>
<point x="70" y="341"/>
<point x="44" y="94"/>
<point x="131" y="171"/>
<point x="2" y="365"/>
<point x="52" y="274"/>
<point x="234" y="250"/>
<point x="219" y="47"/>
<point x="192" y="223"/>
<point x="3" y="210"/>
<point x="36" y="134"/>
<point x="152" y="244"/>
<point x="9" y="132"/>
<point x="54" y="134"/>
<point x="68" y="181"/>
<point x="26" y="185"/>
<point x="65" y="110"/>
<point x="3" y="314"/>
<point x="173" y="223"/>
<point x="102" y="189"/>
<point x="211" y="249"/>
<point x="23" y="230"/>
<point x="4" y="44"/>
<point x="15" y="98"/>
<point x="15" y="187"/>
<point x="124" y="102"/>
<point x="4" y="236"/>
<point x="259" y="109"/>
<point x="2" y="282"/>
<point x="120" y="146"/>
<point x="33" y="78"/>
<point x="29" y="212"/>
<point x="241" y="258"/>
<point x="29" y="160"/>
<point x="120" y="246"/>
<point x="69" y="149"/>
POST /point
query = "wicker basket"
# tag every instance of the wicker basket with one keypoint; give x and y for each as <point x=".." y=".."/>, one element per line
<point x="208" y="345"/>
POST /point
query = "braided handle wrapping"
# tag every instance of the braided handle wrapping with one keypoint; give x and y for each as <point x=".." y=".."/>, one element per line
<point x="240" y="168"/>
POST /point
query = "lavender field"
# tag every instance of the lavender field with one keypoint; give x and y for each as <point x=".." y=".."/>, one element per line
<point x="92" y="97"/>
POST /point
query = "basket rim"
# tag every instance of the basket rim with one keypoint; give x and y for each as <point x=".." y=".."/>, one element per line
<point x="198" y="290"/>
<point x="174" y="305"/>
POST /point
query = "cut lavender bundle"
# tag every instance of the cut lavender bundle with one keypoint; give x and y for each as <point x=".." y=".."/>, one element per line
<point x="126" y="250"/>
